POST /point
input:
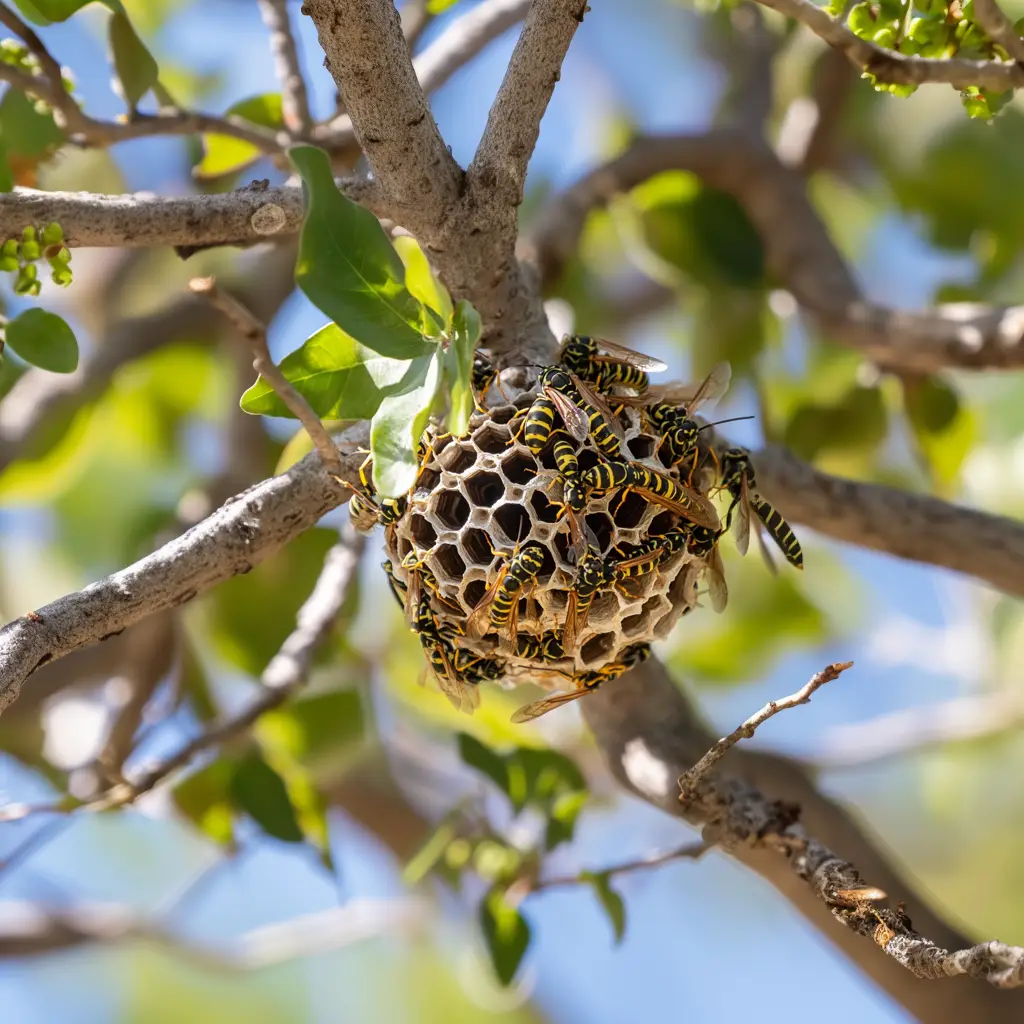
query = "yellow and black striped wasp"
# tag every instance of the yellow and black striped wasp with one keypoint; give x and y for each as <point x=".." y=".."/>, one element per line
<point x="420" y="576"/>
<point x="365" y="512"/>
<point x="398" y="588"/>
<point x="584" y="683"/>
<point x="738" y="480"/>
<point x="484" y="374"/>
<point x="540" y="648"/>
<point x="618" y="366"/>
<point x="460" y="689"/>
<point x="499" y="607"/>
<point x="592" y="573"/>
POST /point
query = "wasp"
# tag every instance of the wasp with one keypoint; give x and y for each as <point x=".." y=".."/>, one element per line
<point x="398" y="588"/>
<point x="592" y="574"/>
<point x="674" y="496"/>
<point x="738" y="480"/>
<point x="460" y="689"/>
<point x="702" y="543"/>
<point x="585" y="682"/>
<point x="420" y="576"/>
<point x="483" y="375"/>
<point x="501" y="601"/>
<point x="540" y="648"/>
<point x="637" y="565"/>
<point x="619" y="366"/>
<point x="365" y="513"/>
<point x="607" y="476"/>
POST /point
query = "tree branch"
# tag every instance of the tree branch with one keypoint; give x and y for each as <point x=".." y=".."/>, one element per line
<point x="692" y="776"/>
<point x="999" y="28"/>
<point x="241" y="217"/>
<point x="689" y="851"/>
<point x="239" y="535"/>
<point x="28" y="929"/>
<point x="894" y="68"/>
<point x="254" y="332"/>
<point x="498" y="170"/>
<point x="369" y="60"/>
<point x="914" y="526"/>
<point x="650" y="735"/>
<point x="798" y="249"/>
<point x="294" y="100"/>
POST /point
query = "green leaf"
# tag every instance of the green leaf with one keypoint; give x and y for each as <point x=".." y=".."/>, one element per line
<point x="27" y="135"/>
<point x="45" y="12"/>
<point x="931" y="403"/>
<point x="259" y="791"/>
<point x="340" y="378"/>
<point x="611" y="902"/>
<point x="136" y="69"/>
<point x="420" y="279"/>
<point x="203" y="798"/>
<point x="506" y="933"/>
<point x="564" y="811"/>
<point x="44" y="340"/>
<point x="428" y="855"/>
<point x="398" y="425"/>
<point x="349" y="269"/>
<point x="459" y="366"/>
<point x="547" y="774"/>
<point x="488" y="762"/>
<point x="224" y="154"/>
<point x="314" y="728"/>
<point x="858" y="422"/>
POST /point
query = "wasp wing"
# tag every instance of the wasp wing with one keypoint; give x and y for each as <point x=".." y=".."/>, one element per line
<point x="619" y="353"/>
<point x="476" y="624"/>
<point x="541" y="707"/>
<point x="574" y="418"/>
<point x="717" y="589"/>
<point x="597" y="400"/>
<point x="692" y="506"/>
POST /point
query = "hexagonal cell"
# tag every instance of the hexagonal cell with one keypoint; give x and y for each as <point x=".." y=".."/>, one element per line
<point x="451" y="509"/>
<point x="458" y="458"/>
<point x="662" y="523"/>
<point x="602" y="528"/>
<point x="597" y="648"/>
<point x="641" y="446"/>
<point x="588" y="458"/>
<point x="422" y="532"/>
<point x="503" y="413"/>
<point x="427" y="480"/>
<point x="518" y="467"/>
<point x="449" y="561"/>
<point x="476" y="547"/>
<point x="683" y="587"/>
<point x="473" y="593"/>
<point x="492" y="438"/>
<point x="562" y="542"/>
<point x="543" y="508"/>
<point x="513" y="521"/>
<point x="404" y="547"/>
<point x="604" y="607"/>
<point x="629" y="510"/>
<point x="665" y="453"/>
<point x="484" y="489"/>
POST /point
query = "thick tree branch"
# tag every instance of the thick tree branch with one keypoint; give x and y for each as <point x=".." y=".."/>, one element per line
<point x="498" y="170"/>
<point x="241" y="217"/>
<point x="914" y="526"/>
<point x="288" y="67"/>
<point x="368" y="58"/>
<point x="239" y="535"/>
<point x="799" y="250"/>
<point x="894" y="68"/>
<point x="999" y="28"/>
<point x="650" y="734"/>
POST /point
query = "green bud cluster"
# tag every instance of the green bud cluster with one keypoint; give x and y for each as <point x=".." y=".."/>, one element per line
<point x="928" y="28"/>
<point x="20" y="256"/>
<point x="14" y="53"/>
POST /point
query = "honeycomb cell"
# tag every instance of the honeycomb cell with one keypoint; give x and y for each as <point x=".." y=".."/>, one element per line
<point x="603" y="529"/>
<point x="597" y="648"/>
<point x="563" y="550"/>
<point x="449" y="562"/>
<point x="492" y="438"/>
<point x="513" y="521"/>
<point x="485" y="489"/>
<point x="473" y="593"/>
<point x="662" y="523"/>
<point x="427" y="480"/>
<point x="422" y="532"/>
<point x="451" y="509"/>
<point x="628" y="510"/>
<point x="503" y="413"/>
<point x="477" y="547"/>
<point x="518" y="468"/>
<point x="544" y="509"/>
<point x="641" y="446"/>
<point x="404" y="548"/>
<point x="458" y="458"/>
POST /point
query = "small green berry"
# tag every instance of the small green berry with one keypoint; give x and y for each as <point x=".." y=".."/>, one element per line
<point x="52" y="234"/>
<point x="61" y="257"/>
<point x="29" y="251"/>
<point x="10" y="248"/>
<point x="28" y="234"/>
<point x="8" y="264"/>
<point x="886" y="38"/>
<point x="61" y="276"/>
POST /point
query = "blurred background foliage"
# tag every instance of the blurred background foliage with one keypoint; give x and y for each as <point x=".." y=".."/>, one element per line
<point x="331" y="795"/>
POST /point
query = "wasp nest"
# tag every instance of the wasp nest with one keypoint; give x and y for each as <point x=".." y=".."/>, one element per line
<point x="480" y="497"/>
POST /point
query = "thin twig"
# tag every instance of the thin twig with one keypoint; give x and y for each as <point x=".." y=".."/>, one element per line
<point x="689" y="779"/>
<point x="894" y="68"/>
<point x="691" y="851"/>
<point x="294" y="99"/>
<point x="255" y="333"/>
<point x="286" y="673"/>
<point x="999" y="28"/>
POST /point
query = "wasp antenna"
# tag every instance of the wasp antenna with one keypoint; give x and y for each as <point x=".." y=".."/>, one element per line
<point x="718" y="423"/>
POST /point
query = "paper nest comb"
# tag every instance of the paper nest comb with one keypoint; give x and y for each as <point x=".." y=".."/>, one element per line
<point x="478" y="496"/>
